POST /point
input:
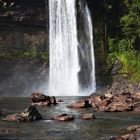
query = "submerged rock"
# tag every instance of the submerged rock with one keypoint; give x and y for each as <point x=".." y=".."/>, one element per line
<point x="88" y="116"/>
<point x="133" y="134"/>
<point x="29" y="114"/>
<point x="64" y="117"/>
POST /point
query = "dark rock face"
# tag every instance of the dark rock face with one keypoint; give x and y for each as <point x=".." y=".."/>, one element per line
<point x="64" y="117"/>
<point x="29" y="114"/>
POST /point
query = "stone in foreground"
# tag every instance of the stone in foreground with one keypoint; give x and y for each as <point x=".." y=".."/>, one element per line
<point x="88" y="116"/>
<point x="29" y="114"/>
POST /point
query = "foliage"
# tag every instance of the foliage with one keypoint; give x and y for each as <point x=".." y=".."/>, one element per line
<point x="130" y="59"/>
<point x="25" y="54"/>
<point x="130" y="22"/>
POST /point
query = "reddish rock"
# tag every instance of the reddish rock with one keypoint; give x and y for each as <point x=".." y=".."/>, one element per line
<point x="137" y="109"/>
<point x="80" y="104"/>
<point x="121" y="98"/>
<point x="95" y="100"/>
<point x="105" y="102"/>
<point x="133" y="128"/>
<point x="136" y="96"/>
<point x="39" y="97"/>
<point x="12" y="117"/>
<point x="29" y="114"/>
<point x="88" y="116"/>
<point x="124" y="137"/>
<point x="64" y="117"/>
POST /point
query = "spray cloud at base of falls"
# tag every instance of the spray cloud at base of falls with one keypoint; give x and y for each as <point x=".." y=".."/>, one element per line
<point x="71" y="66"/>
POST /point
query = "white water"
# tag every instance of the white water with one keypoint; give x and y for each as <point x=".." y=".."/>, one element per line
<point x="64" y="66"/>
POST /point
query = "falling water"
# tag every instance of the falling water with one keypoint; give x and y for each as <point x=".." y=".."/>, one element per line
<point x="64" y="52"/>
<point x="64" y="64"/>
<point x="86" y="52"/>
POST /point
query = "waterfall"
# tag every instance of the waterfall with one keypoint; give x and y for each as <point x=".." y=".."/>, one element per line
<point x="65" y="65"/>
<point x="86" y="52"/>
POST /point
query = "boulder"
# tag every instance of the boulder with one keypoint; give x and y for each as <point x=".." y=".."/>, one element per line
<point x="29" y="114"/>
<point x="12" y="117"/>
<point x="88" y="116"/>
<point x="39" y="97"/>
<point x="53" y="100"/>
<point x="64" y="117"/>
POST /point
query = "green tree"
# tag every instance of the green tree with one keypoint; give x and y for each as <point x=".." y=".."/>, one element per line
<point x="130" y="22"/>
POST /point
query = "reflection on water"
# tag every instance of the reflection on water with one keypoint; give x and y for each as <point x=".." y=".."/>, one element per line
<point x="106" y="124"/>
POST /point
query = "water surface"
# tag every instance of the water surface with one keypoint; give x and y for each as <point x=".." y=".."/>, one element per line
<point x="106" y="124"/>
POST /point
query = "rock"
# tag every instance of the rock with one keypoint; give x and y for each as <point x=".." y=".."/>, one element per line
<point x="95" y="100"/>
<point x="12" y="117"/>
<point x="42" y="100"/>
<point x="64" y="117"/>
<point x="39" y="97"/>
<point x="80" y="104"/>
<point x="137" y="109"/>
<point x="29" y="114"/>
<point x="60" y="100"/>
<point x="88" y="116"/>
<point x="53" y="100"/>
<point x="124" y="137"/>
<point x="46" y="103"/>
<point x="119" y="107"/>
<point x="136" y="96"/>
<point x="133" y="128"/>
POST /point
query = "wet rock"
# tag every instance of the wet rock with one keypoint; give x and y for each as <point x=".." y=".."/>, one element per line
<point x="124" y="137"/>
<point x="39" y="97"/>
<point x="42" y="100"/>
<point x="29" y="114"/>
<point x="53" y="100"/>
<point x="80" y="104"/>
<point x="136" y="96"/>
<point x="95" y="100"/>
<point x="133" y="128"/>
<point x="64" y="117"/>
<point x="60" y="100"/>
<point x="88" y="116"/>
<point x="134" y="134"/>
<point x="137" y="109"/>
<point x="12" y="117"/>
